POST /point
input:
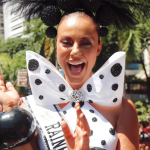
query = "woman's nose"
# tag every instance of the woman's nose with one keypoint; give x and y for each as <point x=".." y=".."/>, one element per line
<point x="75" y="51"/>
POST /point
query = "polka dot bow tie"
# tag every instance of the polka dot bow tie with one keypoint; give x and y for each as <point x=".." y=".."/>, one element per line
<point x="49" y="87"/>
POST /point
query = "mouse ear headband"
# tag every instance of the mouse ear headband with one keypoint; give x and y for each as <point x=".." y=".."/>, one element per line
<point x="120" y="13"/>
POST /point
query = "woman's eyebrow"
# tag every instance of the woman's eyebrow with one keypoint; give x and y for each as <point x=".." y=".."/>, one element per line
<point x="87" y="37"/>
<point x="64" y="36"/>
<point x="84" y="37"/>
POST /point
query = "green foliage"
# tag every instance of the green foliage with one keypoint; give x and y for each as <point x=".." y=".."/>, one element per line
<point x="35" y="29"/>
<point x="13" y="45"/>
<point x="13" y="50"/>
<point x="11" y="66"/>
<point x="143" y="110"/>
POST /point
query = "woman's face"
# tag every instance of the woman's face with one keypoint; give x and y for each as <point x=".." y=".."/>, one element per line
<point x="77" y="49"/>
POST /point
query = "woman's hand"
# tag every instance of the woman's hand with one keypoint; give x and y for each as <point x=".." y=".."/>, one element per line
<point x="9" y="98"/>
<point x="80" y="140"/>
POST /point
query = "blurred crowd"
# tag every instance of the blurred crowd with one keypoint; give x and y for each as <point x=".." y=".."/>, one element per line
<point x="144" y="135"/>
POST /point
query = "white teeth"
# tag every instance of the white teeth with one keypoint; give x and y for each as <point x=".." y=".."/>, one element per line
<point x="72" y="63"/>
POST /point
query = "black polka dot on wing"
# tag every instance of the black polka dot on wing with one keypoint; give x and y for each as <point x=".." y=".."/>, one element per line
<point x="33" y="64"/>
<point x="114" y="87"/>
<point x="116" y="69"/>
<point x="92" y="111"/>
<point x="89" y="87"/>
<point x="115" y="100"/>
<point x="47" y="71"/>
<point x="62" y="88"/>
<point x="112" y="131"/>
<point x="90" y="101"/>
<point x="101" y="76"/>
<point x="41" y="97"/>
<point x="103" y="142"/>
<point x="91" y="132"/>
<point x="62" y="99"/>
<point x="94" y="119"/>
<point x="38" y="82"/>
<point x="64" y="112"/>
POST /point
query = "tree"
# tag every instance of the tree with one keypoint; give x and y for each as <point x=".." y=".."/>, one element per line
<point x="135" y="44"/>
<point x="11" y="66"/>
<point x="143" y="110"/>
<point x="13" y="45"/>
<point x="35" y="29"/>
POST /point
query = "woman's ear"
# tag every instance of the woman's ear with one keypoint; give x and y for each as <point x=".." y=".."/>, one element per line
<point x="99" y="48"/>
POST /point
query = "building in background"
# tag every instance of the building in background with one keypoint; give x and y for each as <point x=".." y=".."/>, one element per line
<point x="1" y="22"/>
<point x="13" y="23"/>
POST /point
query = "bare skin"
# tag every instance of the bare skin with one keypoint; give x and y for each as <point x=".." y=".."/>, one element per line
<point x="78" y="42"/>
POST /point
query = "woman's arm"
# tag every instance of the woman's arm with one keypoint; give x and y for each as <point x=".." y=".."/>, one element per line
<point x="127" y="127"/>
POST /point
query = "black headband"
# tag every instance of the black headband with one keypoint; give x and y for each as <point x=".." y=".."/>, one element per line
<point x="120" y="13"/>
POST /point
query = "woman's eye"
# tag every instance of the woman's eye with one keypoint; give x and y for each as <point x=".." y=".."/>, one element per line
<point x="86" y="43"/>
<point x="66" y="43"/>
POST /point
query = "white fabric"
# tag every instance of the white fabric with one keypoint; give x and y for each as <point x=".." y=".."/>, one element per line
<point x="48" y="121"/>
<point x="48" y="116"/>
<point x="101" y="93"/>
<point x="101" y="88"/>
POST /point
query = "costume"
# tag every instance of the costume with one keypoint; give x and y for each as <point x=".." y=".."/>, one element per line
<point x="105" y="87"/>
<point x="120" y="13"/>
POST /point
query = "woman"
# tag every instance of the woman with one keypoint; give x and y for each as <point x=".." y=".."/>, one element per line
<point x="77" y="41"/>
<point x="77" y="47"/>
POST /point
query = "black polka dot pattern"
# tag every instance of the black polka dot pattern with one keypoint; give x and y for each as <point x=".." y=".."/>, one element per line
<point x="101" y="76"/>
<point x="94" y="119"/>
<point x="115" y="100"/>
<point x="33" y="64"/>
<point x="47" y="71"/>
<point x="114" y="87"/>
<point x="41" y="97"/>
<point x="64" y="112"/>
<point x="92" y="111"/>
<point x="89" y="87"/>
<point x="91" y="132"/>
<point x="62" y="99"/>
<point x="112" y="131"/>
<point x="103" y="142"/>
<point x="90" y="101"/>
<point x="81" y="104"/>
<point x="73" y="104"/>
<point x="116" y="69"/>
<point x="38" y="82"/>
<point x="62" y="88"/>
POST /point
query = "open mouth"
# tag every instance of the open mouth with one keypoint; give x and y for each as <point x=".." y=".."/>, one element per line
<point x="76" y="67"/>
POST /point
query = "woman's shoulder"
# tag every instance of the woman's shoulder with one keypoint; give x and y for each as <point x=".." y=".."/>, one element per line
<point x="127" y="106"/>
<point x="127" y="125"/>
<point x="127" y="113"/>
